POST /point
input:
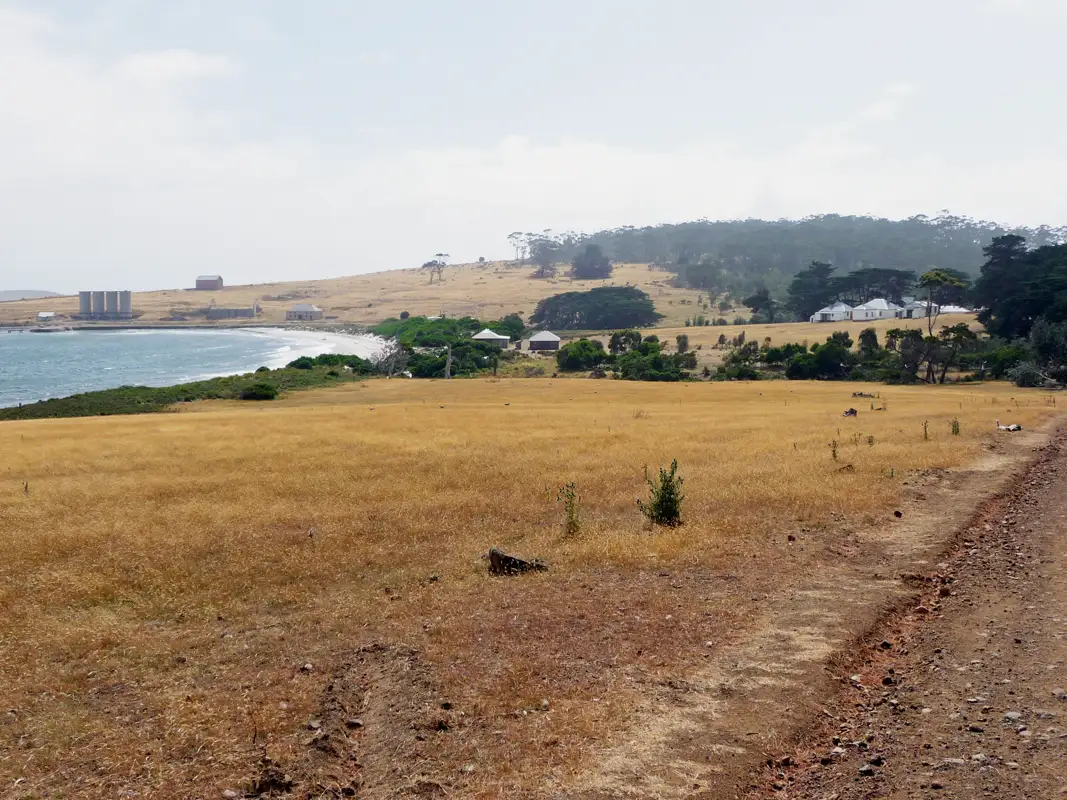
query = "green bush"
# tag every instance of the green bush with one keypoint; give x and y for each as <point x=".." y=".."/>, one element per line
<point x="259" y="391"/>
<point x="304" y="362"/>
<point x="263" y="369"/>
<point x="648" y="363"/>
<point x="580" y="355"/>
<point x="568" y="495"/>
<point x="830" y="361"/>
<point x="740" y="372"/>
<point x="664" y="506"/>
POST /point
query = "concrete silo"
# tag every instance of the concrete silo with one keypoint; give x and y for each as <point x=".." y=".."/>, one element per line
<point x="126" y="305"/>
<point x="85" y="304"/>
<point x="111" y="304"/>
<point x="98" y="304"/>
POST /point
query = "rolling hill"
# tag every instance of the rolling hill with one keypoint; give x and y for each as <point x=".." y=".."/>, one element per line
<point x="9" y="295"/>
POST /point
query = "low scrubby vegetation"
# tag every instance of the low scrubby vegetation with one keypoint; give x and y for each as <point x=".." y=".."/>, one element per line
<point x="956" y="353"/>
<point x="259" y="391"/>
<point x="149" y="399"/>
<point x="628" y="357"/>
<point x="437" y="348"/>
<point x="356" y="364"/>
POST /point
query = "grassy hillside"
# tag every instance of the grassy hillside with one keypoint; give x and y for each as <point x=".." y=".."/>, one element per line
<point x="8" y="295"/>
<point x="485" y="291"/>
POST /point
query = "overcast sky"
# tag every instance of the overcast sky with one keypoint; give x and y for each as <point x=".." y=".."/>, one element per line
<point x="145" y="141"/>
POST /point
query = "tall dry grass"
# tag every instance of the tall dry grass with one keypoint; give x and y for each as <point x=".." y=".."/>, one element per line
<point x="159" y="588"/>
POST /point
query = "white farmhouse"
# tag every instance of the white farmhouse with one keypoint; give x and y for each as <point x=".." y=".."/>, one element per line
<point x="835" y="312"/>
<point x="492" y="337"/>
<point x="918" y="309"/>
<point x="879" y="308"/>
<point x="303" y="312"/>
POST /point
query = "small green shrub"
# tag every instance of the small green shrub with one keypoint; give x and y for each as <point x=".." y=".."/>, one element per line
<point x="263" y="369"/>
<point x="955" y="427"/>
<point x="664" y="505"/>
<point x="568" y="495"/>
<point x="259" y="391"/>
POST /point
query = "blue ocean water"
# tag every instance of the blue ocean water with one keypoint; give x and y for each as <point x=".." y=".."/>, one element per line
<point x="38" y="366"/>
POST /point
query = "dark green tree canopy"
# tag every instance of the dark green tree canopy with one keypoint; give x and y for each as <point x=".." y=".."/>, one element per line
<point x="603" y="308"/>
<point x="1019" y="286"/>
<point x="738" y="256"/>
<point x="591" y="264"/>
<point x="811" y="289"/>
<point x="621" y="341"/>
<point x="511" y="325"/>
<point x="762" y="304"/>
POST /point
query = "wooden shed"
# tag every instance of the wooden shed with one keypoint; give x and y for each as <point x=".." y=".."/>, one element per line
<point x="209" y="282"/>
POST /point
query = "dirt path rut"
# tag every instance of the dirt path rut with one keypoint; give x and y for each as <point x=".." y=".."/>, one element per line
<point x="965" y="694"/>
<point x="846" y="654"/>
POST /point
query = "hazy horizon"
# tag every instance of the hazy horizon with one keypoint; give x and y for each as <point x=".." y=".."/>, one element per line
<point x="145" y="143"/>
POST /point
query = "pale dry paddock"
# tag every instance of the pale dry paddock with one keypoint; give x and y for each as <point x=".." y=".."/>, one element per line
<point x="160" y="591"/>
<point x="486" y="291"/>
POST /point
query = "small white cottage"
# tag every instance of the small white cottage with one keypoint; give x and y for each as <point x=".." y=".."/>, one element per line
<point x="918" y="309"/>
<point x="835" y="312"/>
<point x="878" y="308"/>
<point x="492" y="337"/>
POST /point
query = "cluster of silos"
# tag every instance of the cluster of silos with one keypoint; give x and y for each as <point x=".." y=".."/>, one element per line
<point x="105" y="305"/>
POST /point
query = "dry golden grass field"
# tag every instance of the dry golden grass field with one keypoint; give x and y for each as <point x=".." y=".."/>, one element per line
<point x="487" y="291"/>
<point x="250" y="597"/>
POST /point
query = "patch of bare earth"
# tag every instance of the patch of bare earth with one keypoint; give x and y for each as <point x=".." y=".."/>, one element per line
<point x="754" y="698"/>
<point x="963" y="692"/>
